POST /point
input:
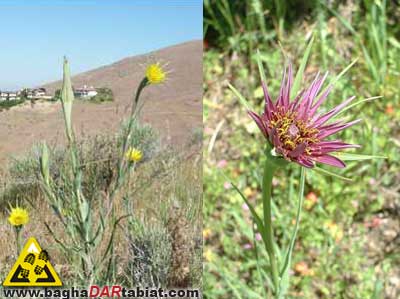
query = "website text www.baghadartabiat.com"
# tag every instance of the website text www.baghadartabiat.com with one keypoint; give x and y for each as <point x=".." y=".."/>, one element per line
<point x="95" y="291"/>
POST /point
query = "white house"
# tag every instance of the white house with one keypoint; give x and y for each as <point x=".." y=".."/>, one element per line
<point x="37" y="93"/>
<point x="9" y="95"/>
<point x="85" y="92"/>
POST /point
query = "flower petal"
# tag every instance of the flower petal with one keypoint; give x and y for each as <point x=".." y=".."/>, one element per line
<point x="289" y="83"/>
<point x="307" y="100"/>
<point x="330" y="160"/>
<point x="294" y="105"/>
<point x="275" y="139"/>
<point x="321" y="99"/>
<point x="269" y="105"/>
<point x="259" y="122"/>
<point x="324" y="118"/>
<point x="325" y="147"/>
<point x="332" y="130"/>
<point x="297" y="151"/>
<point x="305" y="162"/>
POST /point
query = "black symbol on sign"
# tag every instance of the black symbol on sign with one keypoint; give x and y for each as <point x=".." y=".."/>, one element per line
<point x="38" y="270"/>
<point x="30" y="258"/>
<point x="49" y="278"/>
<point x="24" y="273"/>
<point x="44" y="256"/>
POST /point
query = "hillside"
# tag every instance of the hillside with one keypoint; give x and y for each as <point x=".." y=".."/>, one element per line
<point x="174" y="109"/>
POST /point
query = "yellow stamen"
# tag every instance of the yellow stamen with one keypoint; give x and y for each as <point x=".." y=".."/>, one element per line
<point x="293" y="131"/>
<point x="155" y="74"/>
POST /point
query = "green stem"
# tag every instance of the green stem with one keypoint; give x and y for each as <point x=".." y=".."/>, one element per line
<point x="258" y="262"/>
<point x="142" y="85"/>
<point x="18" y="239"/>
<point x="269" y="170"/>
<point x="288" y="258"/>
<point x="135" y="111"/>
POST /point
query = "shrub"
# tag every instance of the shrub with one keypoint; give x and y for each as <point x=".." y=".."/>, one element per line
<point x="104" y="94"/>
<point x="4" y="105"/>
<point x="149" y="256"/>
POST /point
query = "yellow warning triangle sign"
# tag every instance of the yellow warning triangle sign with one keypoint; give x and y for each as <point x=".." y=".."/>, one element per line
<point x="32" y="268"/>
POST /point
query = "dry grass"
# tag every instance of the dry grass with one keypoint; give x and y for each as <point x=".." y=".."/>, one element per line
<point x="165" y="191"/>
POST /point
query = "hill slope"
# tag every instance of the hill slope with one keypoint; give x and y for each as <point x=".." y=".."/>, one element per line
<point x="174" y="108"/>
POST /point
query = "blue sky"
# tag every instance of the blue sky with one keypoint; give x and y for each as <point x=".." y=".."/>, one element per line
<point x="36" y="34"/>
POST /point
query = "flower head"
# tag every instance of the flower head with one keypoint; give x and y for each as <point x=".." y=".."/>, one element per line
<point x="207" y="233"/>
<point x="295" y="130"/>
<point x="303" y="269"/>
<point x="208" y="255"/>
<point x="155" y="73"/>
<point x="133" y="155"/>
<point x="18" y="216"/>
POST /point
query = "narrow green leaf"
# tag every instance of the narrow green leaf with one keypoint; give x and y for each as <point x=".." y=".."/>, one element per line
<point x="261" y="67"/>
<point x="241" y="98"/>
<point x="394" y="42"/>
<point x="356" y="157"/>
<point x="340" y="18"/>
<point x="300" y="72"/>
<point x="231" y="285"/>
<point x="44" y="164"/>
<point x="257" y="218"/>
<point x="284" y="283"/>
<point x="261" y="283"/>
<point x="337" y="78"/>
<point x="372" y="67"/>
<point x="378" y="288"/>
<point x="326" y="172"/>
<point x="358" y="103"/>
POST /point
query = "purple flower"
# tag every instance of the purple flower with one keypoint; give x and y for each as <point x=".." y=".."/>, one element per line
<point x="258" y="237"/>
<point x="222" y="163"/>
<point x="245" y="207"/>
<point x="247" y="246"/>
<point x="227" y="185"/>
<point x="295" y="130"/>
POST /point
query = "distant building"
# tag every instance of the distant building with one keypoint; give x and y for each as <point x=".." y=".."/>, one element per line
<point x="9" y="95"/>
<point x="26" y="93"/>
<point x="85" y="92"/>
<point x="36" y="93"/>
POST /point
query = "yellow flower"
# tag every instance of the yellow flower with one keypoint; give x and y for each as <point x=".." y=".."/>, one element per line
<point x="208" y="255"/>
<point x="207" y="233"/>
<point x="155" y="74"/>
<point x="18" y="216"/>
<point x="303" y="269"/>
<point x="248" y="192"/>
<point x="335" y="230"/>
<point x="134" y="155"/>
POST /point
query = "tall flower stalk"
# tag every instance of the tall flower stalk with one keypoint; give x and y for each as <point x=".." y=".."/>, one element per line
<point x="154" y="74"/>
<point x="295" y="132"/>
<point x="90" y="246"/>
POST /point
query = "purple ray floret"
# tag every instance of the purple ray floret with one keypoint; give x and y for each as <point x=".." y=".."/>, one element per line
<point x="294" y="129"/>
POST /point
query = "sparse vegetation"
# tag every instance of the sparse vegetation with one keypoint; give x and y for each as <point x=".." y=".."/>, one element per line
<point x="103" y="95"/>
<point x="4" y="105"/>
<point x="129" y="207"/>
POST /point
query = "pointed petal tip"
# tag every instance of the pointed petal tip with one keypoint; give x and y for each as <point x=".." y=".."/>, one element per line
<point x="330" y="160"/>
<point x="258" y="120"/>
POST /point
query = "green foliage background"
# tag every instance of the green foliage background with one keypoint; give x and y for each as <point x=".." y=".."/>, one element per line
<point x="348" y="240"/>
